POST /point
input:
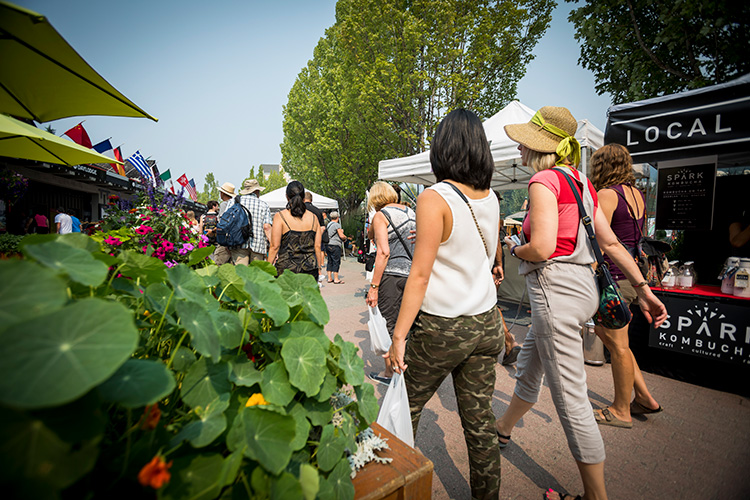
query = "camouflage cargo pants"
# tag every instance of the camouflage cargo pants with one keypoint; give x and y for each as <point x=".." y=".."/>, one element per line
<point x="466" y="347"/>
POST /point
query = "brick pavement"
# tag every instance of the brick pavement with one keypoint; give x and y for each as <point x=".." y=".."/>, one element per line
<point x="698" y="448"/>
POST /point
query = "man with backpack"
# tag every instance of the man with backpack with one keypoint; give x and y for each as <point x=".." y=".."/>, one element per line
<point x="256" y="246"/>
<point x="209" y="221"/>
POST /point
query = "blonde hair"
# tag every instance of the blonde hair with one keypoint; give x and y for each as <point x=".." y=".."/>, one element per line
<point x="381" y="194"/>
<point x="611" y="165"/>
<point x="542" y="161"/>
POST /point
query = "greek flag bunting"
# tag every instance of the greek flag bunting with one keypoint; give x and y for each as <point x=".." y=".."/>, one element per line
<point x="136" y="159"/>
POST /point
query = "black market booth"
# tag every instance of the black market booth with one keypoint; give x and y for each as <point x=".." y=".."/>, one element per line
<point x="699" y="143"/>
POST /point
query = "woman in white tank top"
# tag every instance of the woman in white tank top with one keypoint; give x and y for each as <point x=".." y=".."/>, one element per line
<point x="450" y="294"/>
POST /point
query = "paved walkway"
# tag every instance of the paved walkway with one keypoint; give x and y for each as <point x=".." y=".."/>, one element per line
<point x="698" y="448"/>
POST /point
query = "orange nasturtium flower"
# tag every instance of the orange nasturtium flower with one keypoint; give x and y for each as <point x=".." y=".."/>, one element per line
<point x="256" y="399"/>
<point x="155" y="473"/>
<point x="151" y="416"/>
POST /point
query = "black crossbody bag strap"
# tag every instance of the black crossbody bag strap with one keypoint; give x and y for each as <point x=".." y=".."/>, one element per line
<point x="586" y="221"/>
<point x="397" y="233"/>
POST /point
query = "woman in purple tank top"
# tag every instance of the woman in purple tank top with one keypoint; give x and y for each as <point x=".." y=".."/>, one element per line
<point x="625" y="209"/>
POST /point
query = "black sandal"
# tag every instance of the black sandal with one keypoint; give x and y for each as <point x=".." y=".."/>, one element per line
<point x="563" y="496"/>
<point x="502" y="436"/>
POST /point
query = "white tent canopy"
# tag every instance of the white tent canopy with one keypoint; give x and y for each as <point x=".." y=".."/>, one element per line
<point x="509" y="173"/>
<point x="276" y="200"/>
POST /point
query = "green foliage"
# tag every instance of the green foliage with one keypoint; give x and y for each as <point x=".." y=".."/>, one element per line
<point x="640" y="49"/>
<point x="274" y="181"/>
<point x="9" y="243"/>
<point x="242" y="389"/>
<point x="387" y="72"/>
<point x="210" y="189"/>
<point x="512" y="201"/>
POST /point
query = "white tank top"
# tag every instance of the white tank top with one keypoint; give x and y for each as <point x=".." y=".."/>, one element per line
<point x="461" y="282"/>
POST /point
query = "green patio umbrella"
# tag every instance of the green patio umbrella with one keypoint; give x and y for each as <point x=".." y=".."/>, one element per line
<point x="20" y="140"/>
<point x="43" y="78"/>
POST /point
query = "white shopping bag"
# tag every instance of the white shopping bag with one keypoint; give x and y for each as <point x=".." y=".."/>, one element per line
<point x="380" y="341"/>
<point x="394" y="413"/>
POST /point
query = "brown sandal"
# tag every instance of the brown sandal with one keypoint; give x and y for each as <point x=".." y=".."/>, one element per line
<point x="607" y="418"/>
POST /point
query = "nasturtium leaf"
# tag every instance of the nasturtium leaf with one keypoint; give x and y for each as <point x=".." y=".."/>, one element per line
<point x="305" y="361"/>
<point x="348" y="430"/>
<point x="204" y="383"/>
<point x="79" y="240"/>
<point x="275" y="384"/>
<point x="302" y="426"/>
<point x="195" y="477"/>
<point x="285" y="486"/>
<point x="319" y="412"/>
<point x="328" y="387"/>
<point x="137" y="265"/>
<point x="309" y="480"/>
<point x="30" y="450"/>
<point x="106" y="258"/>
<point x="267" y="437"/>
<point x="75" y="262"/>
<point x="249" y="322"/>
<point x="196" y="319"/>
<point x="304" y="329"/>
<point x="294" y="287"/>
<point x="230" y="468"/>
<point x="231" y="285"/>
<point x="160" y="298"/>
<point x="227" y="325"/>
<point x="330" y="449"/>
<point x="187" y="284"/>
<point x="210" y="424"/>
<point x="261" y="482"/>
<point x="138" y="382"/>
<point x="199" y="254"/>
<point x="316" y="308"/>
<point x="341" y="481"/>
<point x="367" y="402"/>
<point x="57" y="357"/>
<point x="28" y="290"/>
<point x="353" y="366"/>
<point x="129" y="287"/>
<point x="183" y="359"/>
<point x="264" y="293"/>
<point x="264" y="266"/>
<point x="325" y="490"/>
<point x="77" y="421"/>
<point x="243" y="372"/>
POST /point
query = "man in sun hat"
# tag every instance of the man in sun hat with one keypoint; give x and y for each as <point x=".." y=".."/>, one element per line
<point x="256" y="247"/>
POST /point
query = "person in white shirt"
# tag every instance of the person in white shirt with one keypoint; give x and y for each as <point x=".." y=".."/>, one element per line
<point x="63" y="222"/>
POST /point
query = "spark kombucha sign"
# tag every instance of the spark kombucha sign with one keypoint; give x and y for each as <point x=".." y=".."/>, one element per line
<point x="714" y="330"/>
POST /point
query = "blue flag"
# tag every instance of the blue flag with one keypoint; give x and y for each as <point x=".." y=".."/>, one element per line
<point x="103" y="146"/>
<point x="136" y="159"/>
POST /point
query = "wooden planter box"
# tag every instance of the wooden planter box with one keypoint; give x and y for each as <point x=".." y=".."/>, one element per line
<point x="408" y="476"/>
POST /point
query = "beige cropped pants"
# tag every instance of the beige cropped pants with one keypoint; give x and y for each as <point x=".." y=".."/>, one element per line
<point x="563" y="297"/>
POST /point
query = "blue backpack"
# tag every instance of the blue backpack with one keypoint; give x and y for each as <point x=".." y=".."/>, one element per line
<point x="235" y="226"/>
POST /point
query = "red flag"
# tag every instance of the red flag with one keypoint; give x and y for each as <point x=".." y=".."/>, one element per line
<point x="118" y="156"/>
<point x="183" y="180"/>
<point x="79" y="135"/>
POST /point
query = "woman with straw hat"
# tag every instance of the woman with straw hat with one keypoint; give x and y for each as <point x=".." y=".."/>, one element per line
<point x="556" y="258"/>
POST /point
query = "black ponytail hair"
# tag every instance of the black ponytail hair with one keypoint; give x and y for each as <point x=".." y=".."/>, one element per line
<point x="295" y="193"/>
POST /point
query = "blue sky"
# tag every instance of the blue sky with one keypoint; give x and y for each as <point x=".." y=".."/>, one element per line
<point x="217" y="74"/>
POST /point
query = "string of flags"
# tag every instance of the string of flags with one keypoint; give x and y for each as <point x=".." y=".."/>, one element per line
<point x="148" y="172"/>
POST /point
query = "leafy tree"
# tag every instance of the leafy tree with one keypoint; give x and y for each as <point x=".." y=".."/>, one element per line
<point x="638" y="49"/>
<point x="384" y="75"/>
<point x="210" y="189"/>
<point x="275" y="180"/>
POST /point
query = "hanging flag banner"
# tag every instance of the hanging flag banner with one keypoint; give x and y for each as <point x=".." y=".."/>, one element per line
<point x="79" y="136"/>
<point x="137" y="160"/>
<point x="103" y="146"/>
<point x="167" y="175"/>
<point x="120" y="169"/>
<point x="191" y="189"/>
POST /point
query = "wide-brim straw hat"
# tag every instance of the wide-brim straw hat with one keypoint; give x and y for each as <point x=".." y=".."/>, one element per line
<point x="251" y="186"/>
<point x="534" y="137"/>
<point x="227" y="188"/>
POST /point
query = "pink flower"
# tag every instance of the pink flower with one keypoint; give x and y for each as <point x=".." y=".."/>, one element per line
<point x="112" y="241"/>
<point x="144" y="249"/>
<point x="168" y="246"/>
<point x="204" y="238"/>
<point x="186" y="247"/>
<point x="185" y="237"/>
<point x="144" y="229"/>
<point x="170" y="263"/>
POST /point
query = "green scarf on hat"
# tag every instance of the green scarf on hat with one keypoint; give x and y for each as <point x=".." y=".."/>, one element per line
<point x="569" y="145"/>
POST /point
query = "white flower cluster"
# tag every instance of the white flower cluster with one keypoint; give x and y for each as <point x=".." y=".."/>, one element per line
<point x="367" y="444"/>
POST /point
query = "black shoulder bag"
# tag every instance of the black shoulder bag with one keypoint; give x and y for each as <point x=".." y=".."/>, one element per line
<point x="612" y="312"/>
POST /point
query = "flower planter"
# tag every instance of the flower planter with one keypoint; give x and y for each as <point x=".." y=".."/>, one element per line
<point x="408" y="476"/>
